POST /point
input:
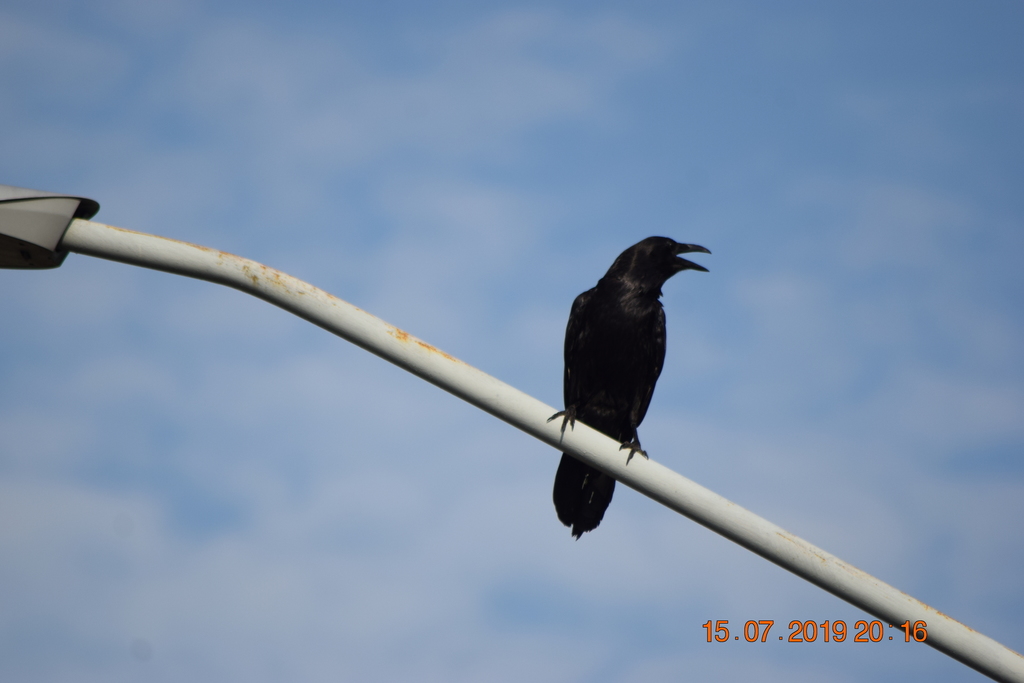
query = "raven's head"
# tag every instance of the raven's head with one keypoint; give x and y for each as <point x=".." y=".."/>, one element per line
<point x="651" y="262"/>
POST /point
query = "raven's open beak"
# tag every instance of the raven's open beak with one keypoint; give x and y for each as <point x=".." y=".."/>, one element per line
<point x="687" y="249"/>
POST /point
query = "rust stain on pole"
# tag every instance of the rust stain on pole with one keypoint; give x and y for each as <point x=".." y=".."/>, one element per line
<point x="405" y="337"/>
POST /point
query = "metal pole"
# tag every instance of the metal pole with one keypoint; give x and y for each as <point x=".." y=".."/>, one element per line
<point x="530" y="415"/>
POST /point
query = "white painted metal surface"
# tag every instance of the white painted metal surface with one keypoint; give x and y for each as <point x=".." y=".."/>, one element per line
<point x="530" y="415"/>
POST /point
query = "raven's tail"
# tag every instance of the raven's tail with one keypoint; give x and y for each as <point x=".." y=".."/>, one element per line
<point x="581" y="494"/>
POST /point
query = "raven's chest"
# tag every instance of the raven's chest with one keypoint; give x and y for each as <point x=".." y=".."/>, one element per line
<point x="623" y="339"/>
<point x="627" y="322"/>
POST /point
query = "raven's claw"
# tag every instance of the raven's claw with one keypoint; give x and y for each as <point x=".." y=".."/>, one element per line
<point x="634" y="447"/>
<point x="568" y="417"/>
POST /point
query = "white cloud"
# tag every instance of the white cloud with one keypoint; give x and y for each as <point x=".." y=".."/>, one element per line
<point x="319" y="101"/>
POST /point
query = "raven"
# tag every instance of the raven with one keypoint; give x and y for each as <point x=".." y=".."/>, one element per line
<point x="614" y="351"/>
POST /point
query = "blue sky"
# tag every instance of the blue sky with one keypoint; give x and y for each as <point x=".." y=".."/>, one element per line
<point x="197" y="486"/>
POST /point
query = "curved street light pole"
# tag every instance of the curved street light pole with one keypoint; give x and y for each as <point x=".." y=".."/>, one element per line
<point x="531" y="416"/>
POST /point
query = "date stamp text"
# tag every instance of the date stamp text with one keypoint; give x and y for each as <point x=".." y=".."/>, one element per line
<point x="809" y="631"/>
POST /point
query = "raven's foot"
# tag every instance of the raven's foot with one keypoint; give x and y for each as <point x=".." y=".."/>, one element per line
<point x="634" y="447"/>
<point x="568" y="417"/>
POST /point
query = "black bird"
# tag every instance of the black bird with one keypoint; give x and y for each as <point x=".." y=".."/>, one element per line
<point x="614" y="352"/>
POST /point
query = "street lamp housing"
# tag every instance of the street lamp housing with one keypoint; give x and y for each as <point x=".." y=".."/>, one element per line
<point x="32" y="224"/>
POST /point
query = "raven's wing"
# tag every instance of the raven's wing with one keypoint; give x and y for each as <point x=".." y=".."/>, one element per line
<point x="581" y="493"/>
<point x="578" y="336"/>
